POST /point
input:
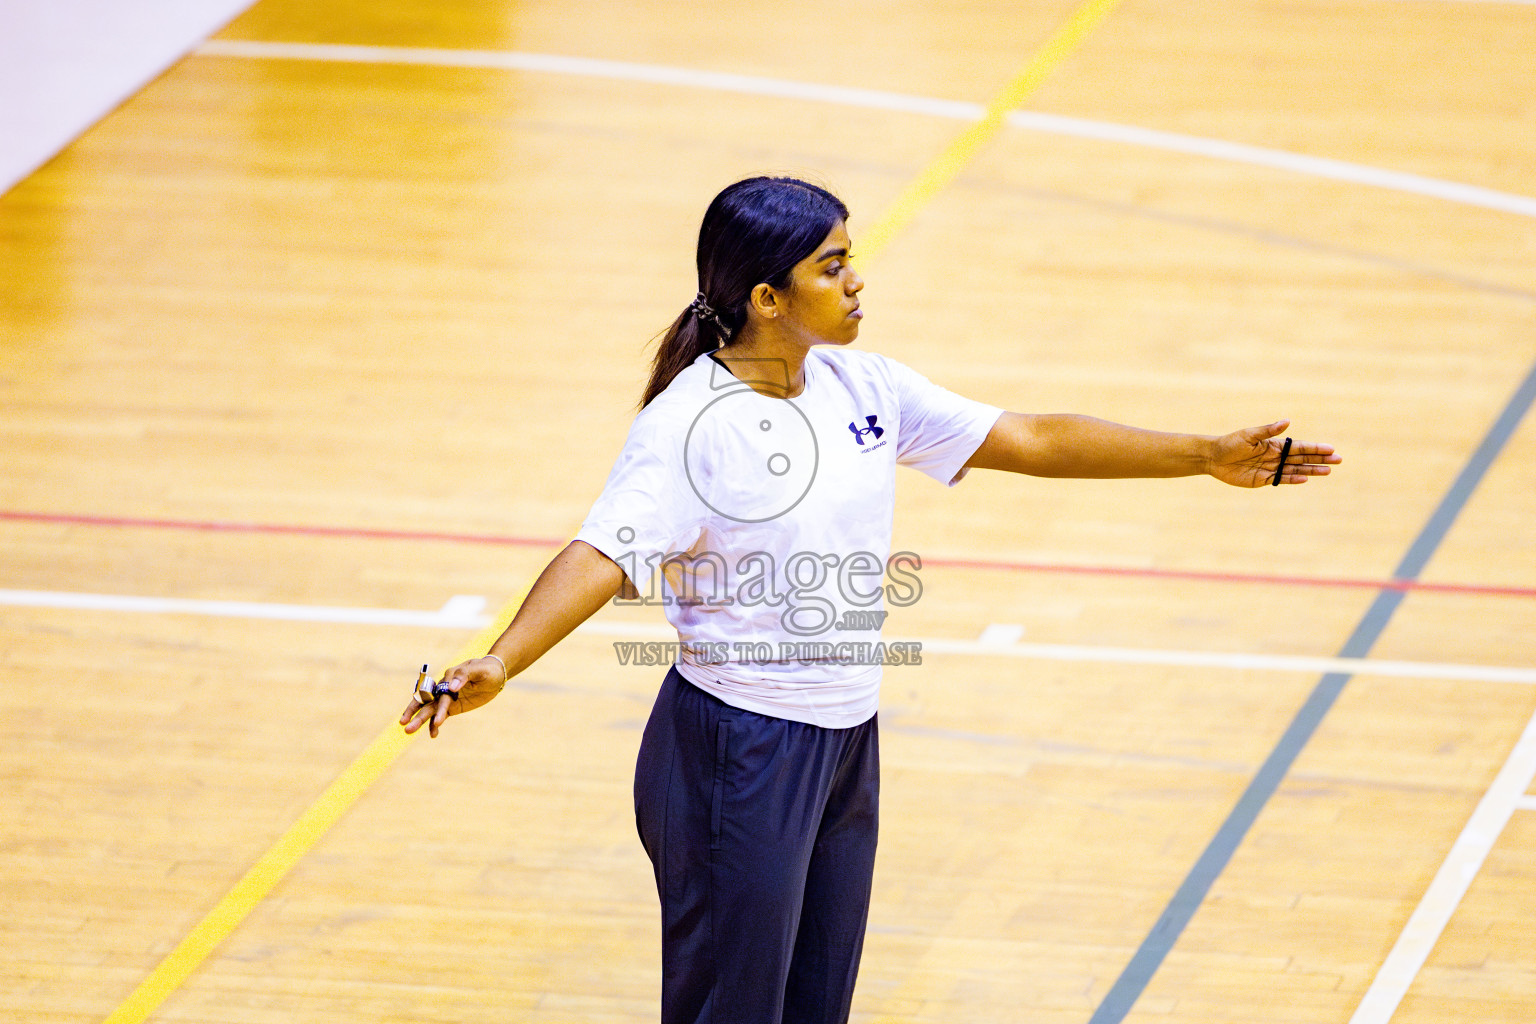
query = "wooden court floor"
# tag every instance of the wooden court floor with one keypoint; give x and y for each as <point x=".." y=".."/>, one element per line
<point x="300" y="340"/>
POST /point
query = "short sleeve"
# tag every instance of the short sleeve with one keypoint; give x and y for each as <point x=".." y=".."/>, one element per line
<point x="940" y="430"/>
<point x="646" y="510"/>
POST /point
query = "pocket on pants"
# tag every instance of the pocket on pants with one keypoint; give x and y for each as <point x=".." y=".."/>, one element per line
<point x="717" y="791"/>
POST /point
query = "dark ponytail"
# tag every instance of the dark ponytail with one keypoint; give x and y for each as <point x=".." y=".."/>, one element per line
<point x="753" y="233"/>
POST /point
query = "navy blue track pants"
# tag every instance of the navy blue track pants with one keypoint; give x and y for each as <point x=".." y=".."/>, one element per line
<point x="762" y="834"/>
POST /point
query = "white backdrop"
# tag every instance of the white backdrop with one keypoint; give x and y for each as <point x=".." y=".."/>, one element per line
<point x="65" y="64"/>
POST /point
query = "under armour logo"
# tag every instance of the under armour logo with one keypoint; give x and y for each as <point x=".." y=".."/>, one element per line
<point x="859" y="432"/>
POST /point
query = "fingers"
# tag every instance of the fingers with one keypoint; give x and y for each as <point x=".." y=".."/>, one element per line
<point x="432" y="702"/>
<point x="1301" y="474"/>
<point x="1300" y="451"/>
<point x="1303" y="463"/>
<point x="416" y="715"/>
<point x="1306" y="460"/>
<point x="1315" y="453"/>
<point x="448" y="692"/>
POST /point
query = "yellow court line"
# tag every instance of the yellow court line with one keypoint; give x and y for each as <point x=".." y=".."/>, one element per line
<point x="968" y="143"/>
<point x="382" y="752"/>
<point x="247" y="893"/>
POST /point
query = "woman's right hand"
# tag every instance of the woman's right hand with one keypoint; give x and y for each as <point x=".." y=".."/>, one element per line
<point x="574" y="585"/>
<point x="475" y="682"/>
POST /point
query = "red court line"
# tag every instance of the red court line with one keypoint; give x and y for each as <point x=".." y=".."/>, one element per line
<point x="348" y="532"/>
<point x="500" y="540"/>
<point x="1484" y="590"/>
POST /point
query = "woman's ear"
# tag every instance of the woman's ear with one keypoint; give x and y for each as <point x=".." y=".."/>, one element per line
<point x="764" y="302"/>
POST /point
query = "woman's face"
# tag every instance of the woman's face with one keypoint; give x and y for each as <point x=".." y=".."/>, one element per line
<point x="822" y="302"/>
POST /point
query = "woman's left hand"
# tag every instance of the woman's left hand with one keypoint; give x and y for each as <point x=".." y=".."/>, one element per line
<point x="1251" y="457"/>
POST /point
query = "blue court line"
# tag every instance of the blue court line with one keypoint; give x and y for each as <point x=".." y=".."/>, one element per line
<point x="1197" y="884"/>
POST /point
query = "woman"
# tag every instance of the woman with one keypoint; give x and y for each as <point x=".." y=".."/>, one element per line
<point x="753" y="500"/>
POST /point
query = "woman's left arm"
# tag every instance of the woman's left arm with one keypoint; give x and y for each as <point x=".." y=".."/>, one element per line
<point x="1063" y="445"/>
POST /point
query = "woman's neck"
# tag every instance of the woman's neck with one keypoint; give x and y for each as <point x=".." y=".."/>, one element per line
<point x="770" y="365"/>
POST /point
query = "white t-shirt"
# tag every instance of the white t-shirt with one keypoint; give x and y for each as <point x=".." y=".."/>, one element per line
<point x="763" y="525"/>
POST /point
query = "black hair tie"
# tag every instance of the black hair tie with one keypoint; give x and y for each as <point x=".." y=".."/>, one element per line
<point x="701" y="308"/>
<point x="1284" y="451"/>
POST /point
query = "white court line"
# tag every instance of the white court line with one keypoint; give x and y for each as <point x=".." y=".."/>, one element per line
<point x="1316" y="166"/>
<point x="1001" y="634"/>
<point x="466" y="612"/>
<point x="586" y="67"/>
<point x="1450" y="885"/>
<point x="1103" y="131"/>
<point x="461" y="612"/>
<point x="1239" y="661"/>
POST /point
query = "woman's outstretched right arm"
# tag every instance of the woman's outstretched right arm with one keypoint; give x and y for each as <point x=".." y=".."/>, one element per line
<point x="578" y="582"/>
